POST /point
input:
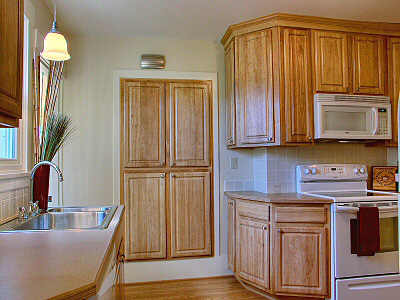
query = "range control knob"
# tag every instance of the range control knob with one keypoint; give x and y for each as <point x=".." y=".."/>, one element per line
<point x="307" y="171"/>
<point x="362" y="170"/>
<point x="313" y="171"/>
<point x="355" y="171"/>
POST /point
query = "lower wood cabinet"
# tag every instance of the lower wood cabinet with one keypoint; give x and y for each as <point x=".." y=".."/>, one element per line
<point x="302" y="266"/>
<point x="253" y="251"/>
<point x="188" y="204"/>
<point x="285" y="252"/>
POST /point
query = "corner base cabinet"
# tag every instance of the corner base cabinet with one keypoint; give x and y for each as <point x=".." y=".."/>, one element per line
<point x="280" y="249"/>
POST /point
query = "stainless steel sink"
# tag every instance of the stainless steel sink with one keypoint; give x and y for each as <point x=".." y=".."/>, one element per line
<point x="66" y="218"/>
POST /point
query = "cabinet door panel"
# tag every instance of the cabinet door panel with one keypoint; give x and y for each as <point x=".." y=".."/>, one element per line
<point x="331" y="62"/>
<point x="253" y="252"/>
<point x="302" y="260"/>
<point x="190" y="211"/>
<point x="190" y="124"/>
<point x="144" y="196"/>
<point x="230" y="95"/>
<point x="394" y="84"/>
<point x="11" y="57"/>
<point x="369" y="64"/>
<point x="255" y="88"/>
<point x="298" y="95"/>
<point x="143" y="105"/>
<point x="231" y="234"/>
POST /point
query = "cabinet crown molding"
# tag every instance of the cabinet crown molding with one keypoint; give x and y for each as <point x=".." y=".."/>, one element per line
<point x="292" y="20"/>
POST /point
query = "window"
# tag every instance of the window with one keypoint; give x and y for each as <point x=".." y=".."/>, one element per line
<point x="8" y="143"/>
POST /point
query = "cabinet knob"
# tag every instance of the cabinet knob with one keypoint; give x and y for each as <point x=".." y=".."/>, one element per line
<point x="357" y="89"/>
<point x="279" y="230"/>
<point x="309" y="138"/>
<point x="269" y="139"/>
<point x="161" y="163"/>
<point x="230" y="141"/>
<point x="264" y="227"/>
<point x="172" y="175"/>
<point x="162" y="176"/>
<point x="173" y="163"/>
<point x="347" y="89"/>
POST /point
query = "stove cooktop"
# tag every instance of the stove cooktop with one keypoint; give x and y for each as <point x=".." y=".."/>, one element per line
<point x="352" y="194"/>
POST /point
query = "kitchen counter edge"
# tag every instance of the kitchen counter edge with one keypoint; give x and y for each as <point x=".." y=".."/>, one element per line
<point x="292" y="198"/>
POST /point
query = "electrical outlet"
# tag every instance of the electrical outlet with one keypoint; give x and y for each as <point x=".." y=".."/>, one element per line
<point x="50" y="199"/>
<point x="234" y="163"/>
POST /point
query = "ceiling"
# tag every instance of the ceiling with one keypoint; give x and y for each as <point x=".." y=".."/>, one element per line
<point x="201" y="19"/>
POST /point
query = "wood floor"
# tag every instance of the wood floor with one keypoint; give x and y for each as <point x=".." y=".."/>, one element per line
<point x="221" y="288"/>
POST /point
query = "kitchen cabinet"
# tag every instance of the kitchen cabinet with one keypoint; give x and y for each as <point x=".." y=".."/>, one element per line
<point x="190" y="204"/>
<point x="145" y="201"/>
<point x="144" y="124"/>
<point x="167" y="167"/>
<point x="11" y="61"/>
<point x="280" y="249"/>
<point x="331" y="62"/>
<point x="302" y="266"/>
<point x="280" y="61"/>
<point x="394" y="84"/>
<point x="255" y="88"/>
<point x="369" y="54"/>
<point x="231" y="234"/>
<point x="230" y="95"/>
<point x="190" y="124"/>
<point x="298" y="119"/>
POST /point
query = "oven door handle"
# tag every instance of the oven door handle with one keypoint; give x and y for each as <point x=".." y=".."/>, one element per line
<point x="348" y="209"/>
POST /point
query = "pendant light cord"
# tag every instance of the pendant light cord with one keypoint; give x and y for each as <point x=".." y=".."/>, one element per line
<point x="55" y="27"/>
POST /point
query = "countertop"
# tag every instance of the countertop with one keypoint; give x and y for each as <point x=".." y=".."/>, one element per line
<point x="57" y="263"/>
<point x="291" y="198"/>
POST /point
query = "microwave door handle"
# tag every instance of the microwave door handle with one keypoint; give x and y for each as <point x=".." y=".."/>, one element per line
<point x="376" y="120"/>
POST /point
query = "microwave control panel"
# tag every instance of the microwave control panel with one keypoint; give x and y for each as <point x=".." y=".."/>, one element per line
<point x="383" y="121"/>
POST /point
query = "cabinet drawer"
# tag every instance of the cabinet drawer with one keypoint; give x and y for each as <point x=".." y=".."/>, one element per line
<point x="298" y="214"/>
<point x="253" y="210"/>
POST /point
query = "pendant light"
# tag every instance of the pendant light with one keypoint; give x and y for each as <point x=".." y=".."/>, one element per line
<point x="55" y="45"/>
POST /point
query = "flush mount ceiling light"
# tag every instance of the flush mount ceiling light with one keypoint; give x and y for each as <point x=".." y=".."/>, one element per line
<point x="55" y="44"/>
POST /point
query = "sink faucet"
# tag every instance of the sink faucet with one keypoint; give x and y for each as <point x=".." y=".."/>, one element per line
<point x="35" y="167"/>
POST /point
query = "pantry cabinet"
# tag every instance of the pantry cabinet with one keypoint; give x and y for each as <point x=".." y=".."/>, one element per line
<point x="280" y="248"/>
<point x="11" y="57"/>
<point x="280" y="61"/>
<point x="166" y="168"/>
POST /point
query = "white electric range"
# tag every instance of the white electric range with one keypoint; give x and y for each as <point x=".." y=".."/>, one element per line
<point x="356" y="277"/>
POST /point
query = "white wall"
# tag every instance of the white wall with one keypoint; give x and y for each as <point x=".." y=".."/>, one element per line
<point x="88" y="159"/>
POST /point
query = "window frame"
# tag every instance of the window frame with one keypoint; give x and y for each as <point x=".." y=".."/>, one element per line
<point x="19" y="164"/>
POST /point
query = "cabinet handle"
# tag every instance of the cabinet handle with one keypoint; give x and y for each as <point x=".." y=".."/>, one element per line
<point x="279" y="230"/>
<point x="269" y="139"/>
<point x="357" y="89"/>
<point x="173" y="163"/>
<point x="162" y="176"/>
<point x="172" y="175"/>
<point x="264" y="227"/>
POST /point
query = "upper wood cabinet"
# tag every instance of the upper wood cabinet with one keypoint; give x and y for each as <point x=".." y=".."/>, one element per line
<point x="143" y="110"/>
<point x="369" y="54"/>
<point x="190" y="124"/>
<point x="394" y="84"/>
<point x="331" y="62"/>
<point x="297" y="120"/>
<point x="230" y="95"/>
<point x="302" y="260"/>
<point x="190" y="214"/>
<point x="145" y="202"/>
<point x="11" y="60"/>
<point x="255" y="88"/>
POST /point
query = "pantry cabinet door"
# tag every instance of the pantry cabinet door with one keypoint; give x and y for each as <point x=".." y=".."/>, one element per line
<point x="11" y="60"/>
<point x="190" y="139"/>
<point x="230" y="99"/>
<point x="255" y="88"/>
<point x="231" y="234"/>
<point x="143" y="124"/>
<point x="369" y="64"/>
<point x="302" y="260"/>
<point x="298" y="97"/>
<point x="190" y="214"/>
<point x="394" y="84"/>
<point x="253" y="252"/>
<point x="144" y="196"/>
<point x="331" y="62"/>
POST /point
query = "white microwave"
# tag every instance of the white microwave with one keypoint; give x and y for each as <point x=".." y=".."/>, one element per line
<point x="352" y="117"/>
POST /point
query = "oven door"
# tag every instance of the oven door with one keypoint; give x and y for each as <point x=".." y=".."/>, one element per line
<point x="335" y="120"/>
<point x="384" y="262"/>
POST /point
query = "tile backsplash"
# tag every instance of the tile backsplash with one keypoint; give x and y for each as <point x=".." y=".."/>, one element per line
<point x="274" y="168"/>
<point x="14" y="192"/>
